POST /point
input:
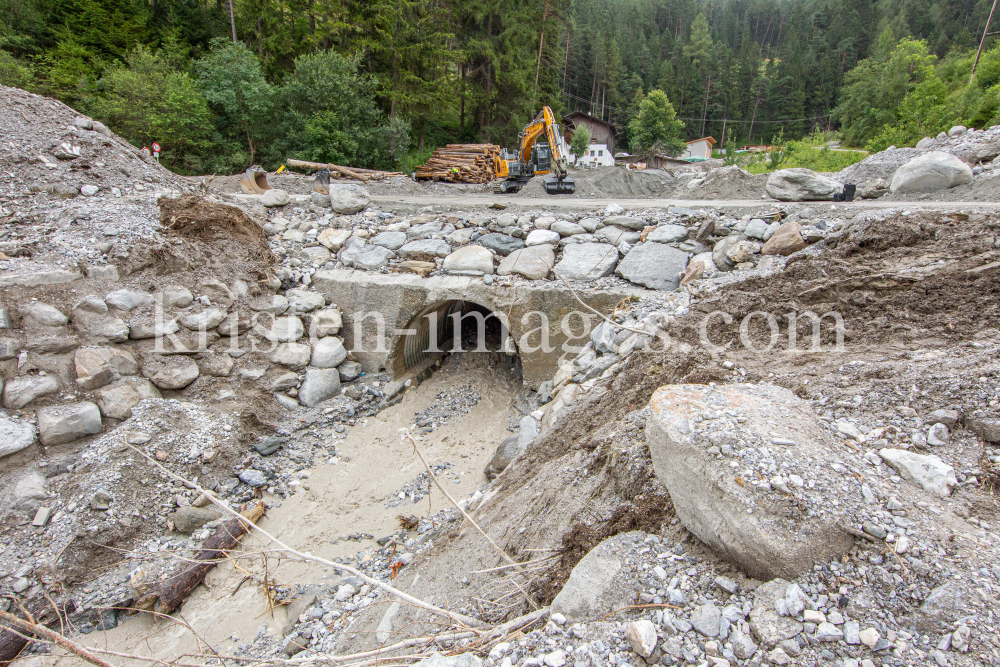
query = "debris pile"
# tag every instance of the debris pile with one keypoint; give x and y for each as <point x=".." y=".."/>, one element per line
<point x="461" y="163"/>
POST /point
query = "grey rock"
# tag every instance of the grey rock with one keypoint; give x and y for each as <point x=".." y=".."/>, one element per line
<point x="542" y="237"/>
<point x="926" y="142"/>
<point x="828" y="632"/>
<point x="304" y="301"/>
<point x="625" y="222"/>
<point x="603" y="337"/>
<point x="320" y="199"/>
<point x="757" y="229"/>
<point x="59" y="424"/>
<point x="744" y="647"/>
<point x="800" y="184"/>
<point x="315" y="255"/>
<point x="762" y="544"/>
<point x="942" y="608"/>
<point x="92" y="304"/>
<point x="189" y="518"/>
<point x="126" y="299"/>
<point x="283" y="381"/>
<point x="269" y="446"/>
<point x="595" y="586"/>
<point x="564" y="228"/>
<point x="533" y="263"/>
<point x="617" y="236"/>
<point x="928" y="472"/>
<point x="501" y="244"/>
<point x="116" y="401"/>
<point x="349" y="370"/>
<point x="668" y="234"/>
<point x="930" y="172"/>
<point x="292" y="355"/>
<point x="470" y="260"/>
<point x="175" y="296"/>
<point x="274" y="197"/>
<point x="204" y="320"/>
<point x="947" y="417"/>
<point x="505" y="453"/>
<point x="9" y="348"/>
<point x="425" y="249"/>
<point x="653" y="265"/>
<point x="254" y="478"/>
<point x="587" y="261"/>
<point x="706" y="619"/>
<point x="174" y="372"/>
<point x="425" y="230"/>
<point x="44" y="314"/>
<point x="215" y="365"/>
<point x="987" y="428"/>
<point x="217" y="292"/>
<point x="328" y="352"/>
<point x="368" y="258"/>
<point x="320" y="384"/>
<point x="21" y="391"/>
<point x="98" y="366"/>
<point x="285" y="329"/>
<point x="348" y="199"/>
<point x="591" y="225"/>
<point x="390" y="240"/>
<point x="15" y="436"/>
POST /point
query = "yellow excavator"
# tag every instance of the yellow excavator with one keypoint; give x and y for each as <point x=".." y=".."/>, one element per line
<point x="542" y="151"/>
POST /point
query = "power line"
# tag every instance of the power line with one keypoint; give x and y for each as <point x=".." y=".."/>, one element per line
<point x="713" y="120"/>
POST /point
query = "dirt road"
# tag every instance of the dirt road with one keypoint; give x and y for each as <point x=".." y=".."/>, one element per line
<point x="576" y="203"/>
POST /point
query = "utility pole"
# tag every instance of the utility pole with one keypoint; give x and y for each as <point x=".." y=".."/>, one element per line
<point x="982" y="42"/>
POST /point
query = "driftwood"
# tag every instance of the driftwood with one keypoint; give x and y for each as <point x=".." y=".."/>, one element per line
<point x="39" y="611"/>
<point x="461" y="163"/>
<point x="166" y="596"/>
<point x="363" y="175"/>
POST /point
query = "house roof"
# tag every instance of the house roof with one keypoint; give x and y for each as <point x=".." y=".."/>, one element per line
<point x="710" y="140"/>
<point x="571" y="118"/>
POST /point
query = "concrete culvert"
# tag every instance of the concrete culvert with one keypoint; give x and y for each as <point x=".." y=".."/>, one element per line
<point x="453" y="326"/>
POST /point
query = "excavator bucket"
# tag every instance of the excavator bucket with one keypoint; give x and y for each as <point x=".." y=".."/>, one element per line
<point x="254" y="181"/>
<point x="557" y="186"/>
<point x="322" y="182"/>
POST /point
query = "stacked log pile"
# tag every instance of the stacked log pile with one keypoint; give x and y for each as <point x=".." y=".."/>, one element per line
<point x="461" y="163"/>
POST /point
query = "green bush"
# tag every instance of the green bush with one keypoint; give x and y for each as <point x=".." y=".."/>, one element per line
<point x="146" y="100"/>
<point x="15" y="73"/>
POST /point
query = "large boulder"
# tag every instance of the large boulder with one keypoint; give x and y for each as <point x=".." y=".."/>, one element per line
<point x="285" y="329"/>
<point x="801" y="185"/>
<point x="59" y="424"/>
<point x="320" y="384"/>
<point x="533" y="263"/>
<point x="15" y="436"/>
<point x="755" y="521"/>
<point x="587" y="261"/>
<point x="470" y="260"/>
<point x="930" y="172"/>
<point x="348" y="199"/>
<point x="292" y="355"/>
<point x="653" y="265"/>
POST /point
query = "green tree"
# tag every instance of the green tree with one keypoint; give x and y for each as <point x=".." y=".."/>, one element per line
<point x="700" y="53"/>
<point x="147" y="100"/>
<point x="876" y="87"/>
<point x="580" y="143"/>
<point x="656" y="128"/>
<point x="233" y="82"/>
<point x="330" y="114"/>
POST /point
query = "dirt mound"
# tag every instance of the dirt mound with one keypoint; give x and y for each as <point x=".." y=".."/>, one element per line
<point x="47" y="144"/>
<point x="609" y="182"/>
<point x="194" y="217"/>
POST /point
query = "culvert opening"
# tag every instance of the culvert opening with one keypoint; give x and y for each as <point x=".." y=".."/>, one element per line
<point x="454" y="327"/>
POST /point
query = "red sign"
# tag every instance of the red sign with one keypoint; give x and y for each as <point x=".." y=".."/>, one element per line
<point x="156" y="148"/>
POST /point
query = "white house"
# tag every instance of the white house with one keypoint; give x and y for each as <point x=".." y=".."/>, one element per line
<point x="598" y="155"/>
<point x="701" y="148"/>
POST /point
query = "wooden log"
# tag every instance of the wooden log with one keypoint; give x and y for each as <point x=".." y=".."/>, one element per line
<point x="166" y="596"/>
<point x="41" y="610"/>
<point x="357" y="173"/>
